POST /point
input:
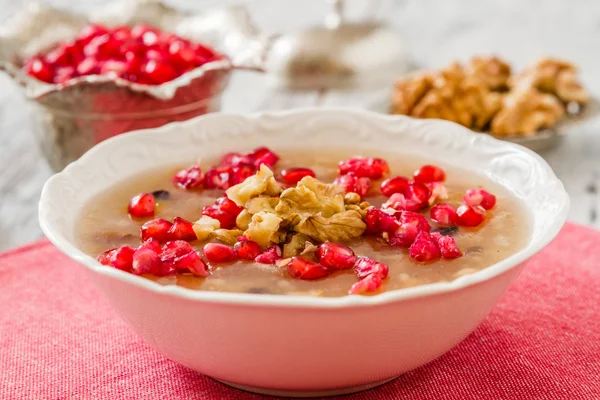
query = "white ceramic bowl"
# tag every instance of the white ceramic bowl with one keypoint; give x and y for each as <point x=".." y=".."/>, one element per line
<point x="292" y="345"/>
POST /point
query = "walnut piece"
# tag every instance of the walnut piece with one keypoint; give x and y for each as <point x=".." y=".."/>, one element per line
<point x="491" y="71"/>
<point x="409" y="92"/>
<point x="555" y="77"/>
<point x="525" y="111"/>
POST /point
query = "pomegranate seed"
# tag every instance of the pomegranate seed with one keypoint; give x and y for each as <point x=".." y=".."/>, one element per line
<point x="122" y="33"/>
<point x="142" y="205"/>
<point x="203" y="51"/>
<point x="113" y="67"/>
<point x="378" y="222"/>
<point x="424" y="248"/>
<point x="418" y="193"/>
<point x="182" y="53"/>
<point x="411" y="224"/>
<point x="404" y="235"/>
<point x="91" y="31"/>
<point x="151" y="244"/>
<point x="88" y="66"/>
<point x="263" y="155"/>
<point x="61" y="55"/>
<point x="437" y="192"/>
<point x="219" y="253"/>
<point x="409" y="217"/>
<point x="181" y="230"/>
<point x="158" y="72"/>
<point x="447" y="245"/>
<point x="218" y="178"/>
<point x="63" y="74"/>
<point x="236" y="160"/>
<point x="366" y="266"/>
<point x="369" y="284"/>
<point x="400" y="203"/>
<point x="373" y="168"/>
<point x="291" y="176"/>
<point x="470" y="216"/>
<point x="180" y="256"/>
<point x="479" y="197"/>
<point x="122" y="258"/>
<point x="39" y="70"/>
<point x="444" y="214"/>
<point x="270" y="256"/>
<point x="335" y="256"/>
<point x="394" y="185"/>
<point x="145" y="261"/>
<point x="302" y="268"/>
<point x="103" y="47"/>
<point x="247" y="249"/>
<point x="239" y="174"/>
<point x="157" y="229"/>
<point x="227" y="220"/>
<point x="228" y="206"/>
<point x="429" y="173"/>
<point x="351" y="183"/>
<point x="193" y="263"/>
<point x="105" y="257"/>
<point x="138" y="30"/>
<point x="189" y="178"/>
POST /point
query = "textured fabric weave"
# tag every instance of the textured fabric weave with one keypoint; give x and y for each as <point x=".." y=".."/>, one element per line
<point x="61" y="340"/>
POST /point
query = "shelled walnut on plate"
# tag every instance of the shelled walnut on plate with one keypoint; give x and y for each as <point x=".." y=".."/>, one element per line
<point x="484" y="95"/>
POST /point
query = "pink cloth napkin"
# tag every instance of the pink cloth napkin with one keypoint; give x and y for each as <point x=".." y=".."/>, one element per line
<point x="61" y="340"/>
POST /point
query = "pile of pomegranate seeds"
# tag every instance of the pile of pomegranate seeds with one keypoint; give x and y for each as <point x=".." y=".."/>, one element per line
<point x="162" y="230"/>
<point x="353" y="184"/>
<point x="234" y="168"/>
<point x="150" y="258"/>
<point x="140" y="54"/>
<point x="368" y="167"/>
<point x="431" y="246"/>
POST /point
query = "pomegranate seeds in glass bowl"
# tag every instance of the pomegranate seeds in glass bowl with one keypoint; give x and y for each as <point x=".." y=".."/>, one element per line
<point x="139" y="53"/>
<point x="101" y="75"/>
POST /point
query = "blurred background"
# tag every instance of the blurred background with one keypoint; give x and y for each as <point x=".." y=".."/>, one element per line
<point x="435" y="32"/>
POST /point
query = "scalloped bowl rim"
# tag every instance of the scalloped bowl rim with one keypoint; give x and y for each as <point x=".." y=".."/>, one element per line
<point x="274" y="300"/>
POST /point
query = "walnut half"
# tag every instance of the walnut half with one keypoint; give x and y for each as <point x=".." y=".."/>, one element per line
<point x="526" y="111"/>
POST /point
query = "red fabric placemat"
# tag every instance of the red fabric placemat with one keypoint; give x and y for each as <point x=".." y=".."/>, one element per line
<point x="60" y="340"/>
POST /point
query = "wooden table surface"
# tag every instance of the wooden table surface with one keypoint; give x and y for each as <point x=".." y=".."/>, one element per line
<point x="435" y="32"/>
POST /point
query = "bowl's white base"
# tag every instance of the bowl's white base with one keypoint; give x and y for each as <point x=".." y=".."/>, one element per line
<point x="306" y="393"/>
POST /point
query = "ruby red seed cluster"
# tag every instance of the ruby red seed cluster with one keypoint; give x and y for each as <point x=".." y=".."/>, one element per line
<point x="140" y="54"/>
<point x="399" y="220"/>
<point x="233" y="168"/>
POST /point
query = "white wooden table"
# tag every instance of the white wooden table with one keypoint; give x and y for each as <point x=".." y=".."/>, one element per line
<point x="436" y="32"/>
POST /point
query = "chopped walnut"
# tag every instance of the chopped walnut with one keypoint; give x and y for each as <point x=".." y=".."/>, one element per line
<point x="491" y="71"/>
<point x="525" y="111"/>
